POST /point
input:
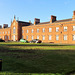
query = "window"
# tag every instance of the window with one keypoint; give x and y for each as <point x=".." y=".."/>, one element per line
<point x="37" y="30"/>
<point x="57" y="29"/>
<point x="43" y="37"/>
<point x="57" y="37"/>
<point x="50" y="37"/>
<point x="22" y="31"/>
<point x="3" y="32"/>
<point x="32" y="30"/>
<point x="73" y="37"/>
<point x="8" y="32"/>
<point x="65" y="28"/>
<point x="50" y="29"/>
<point x="65" y="37"/>
<point x="37" y="36"/>
<point x="27" y="37"/>
<point x="27" y="31"/>
<point x="43" y="29"/>
<point x="8" y="37"/>
<point x="14" y="29"/>
<point x="14" y="23"/>
<point x="32" y="37"/>
<point x="16" y="37"/>
<point x="5" y="37"/>
<point x="22" y="36"/>
<point x="73" y="28"/>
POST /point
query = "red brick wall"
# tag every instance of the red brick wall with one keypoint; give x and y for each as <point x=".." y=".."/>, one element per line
<point x="61" y="32"/>
<point x="5" y="34"/>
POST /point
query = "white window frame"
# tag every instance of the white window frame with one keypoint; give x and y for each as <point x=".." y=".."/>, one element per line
<point x="14" y="30"/>
<point x="73" y="36"/>
<point x="32" y="37"/>
<point x="3" y="32"/>
<point x="43" y="30"/>
<point x="73" y="28"/>
<point x="43" y="37"/>
<point x="57" y="37"/>
<point x="65" y="37"/>
<point x="50" y="29"/>
<point x="8" y="32"/>
<point x="27" y="31"/>
<point x="27" y="37"/>
<point x="37" y="30"/>
<point x="32" y="30"/>
<point x="65" y="28"/>
<point x="37" y="36"/>
<point x="3" y="37"/>
<point x="50" y="37"/>
<point x="57" y="29"/>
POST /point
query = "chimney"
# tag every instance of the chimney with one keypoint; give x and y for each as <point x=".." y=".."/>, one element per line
<point x="0" y="26"/>
<point x="73" y="18"/>
<point x="5" y="25"/>
<point x="53" y="19"/>
<point x="36" y="21"/>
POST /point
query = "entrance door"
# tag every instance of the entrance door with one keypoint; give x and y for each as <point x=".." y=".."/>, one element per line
<point x="13" y="37"/>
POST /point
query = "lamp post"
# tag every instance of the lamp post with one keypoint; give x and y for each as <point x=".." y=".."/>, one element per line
<point x="0" y="64"/>
<point x="61" y="33"/>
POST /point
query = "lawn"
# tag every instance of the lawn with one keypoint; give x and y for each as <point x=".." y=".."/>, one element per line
<point x="37" y="59"/>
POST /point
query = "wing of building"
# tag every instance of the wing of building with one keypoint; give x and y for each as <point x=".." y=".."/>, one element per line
<point x="54" y="31"/>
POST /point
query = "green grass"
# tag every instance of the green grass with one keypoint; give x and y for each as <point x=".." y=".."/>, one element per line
<point x="37" y="59"/>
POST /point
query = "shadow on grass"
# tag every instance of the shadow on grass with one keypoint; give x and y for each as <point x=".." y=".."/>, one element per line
<point x="38" y="45"/>
<point x="37" y="61"/>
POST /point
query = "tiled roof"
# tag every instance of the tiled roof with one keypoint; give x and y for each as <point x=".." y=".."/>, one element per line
<point x="22" y="22"/>
<point x="65" y="20"/>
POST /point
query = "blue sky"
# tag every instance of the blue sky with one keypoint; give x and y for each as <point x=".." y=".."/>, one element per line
<point x="29" y="9"/>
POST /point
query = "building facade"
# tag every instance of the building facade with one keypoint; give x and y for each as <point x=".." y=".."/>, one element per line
<point x="54" y="31"/>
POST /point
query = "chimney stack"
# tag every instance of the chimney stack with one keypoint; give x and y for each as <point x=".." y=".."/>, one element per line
<point x="36" y="21"/>
<point x="73" y="18"/>
<point x="53" y="19"/>
<point x="5" y="25"/>
<point x="0" y="26"/>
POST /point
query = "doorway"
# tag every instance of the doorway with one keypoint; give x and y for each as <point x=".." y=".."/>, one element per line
<point x="14" y="38"/>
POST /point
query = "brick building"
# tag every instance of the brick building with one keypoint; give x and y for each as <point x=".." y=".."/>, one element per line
<point x="54" y="31"/>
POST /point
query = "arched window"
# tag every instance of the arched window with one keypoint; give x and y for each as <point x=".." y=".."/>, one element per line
<point x="14" y="29"/>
